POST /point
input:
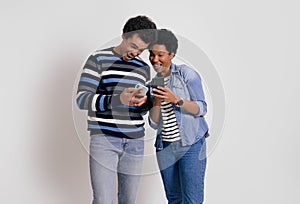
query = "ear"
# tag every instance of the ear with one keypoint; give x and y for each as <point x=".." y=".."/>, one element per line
<point x="123" y="36"/>
<point x="172" y="55"/>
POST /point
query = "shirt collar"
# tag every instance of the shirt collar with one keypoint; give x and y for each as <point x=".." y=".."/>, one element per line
<point x="174" y="68"/>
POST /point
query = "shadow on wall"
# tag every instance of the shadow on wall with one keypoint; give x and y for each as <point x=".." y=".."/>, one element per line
<point x="61" y="160"/>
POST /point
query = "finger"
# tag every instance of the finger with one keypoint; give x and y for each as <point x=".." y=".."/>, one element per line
<point x="137" y="92"/>
<point x="163" y="88"/>
<point x="159" y="96"/>
<point x="133" y="102"/>
<point x="158" y="91"/>
<point x="142" y="101"/>
<point x="142" y="98"/>
<point x="139" y="104"/>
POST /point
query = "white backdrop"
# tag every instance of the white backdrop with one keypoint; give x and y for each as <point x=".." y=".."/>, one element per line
<point x="253" y="45"/>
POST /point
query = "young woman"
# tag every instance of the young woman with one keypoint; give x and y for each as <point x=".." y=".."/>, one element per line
<point x="178" y="115"/>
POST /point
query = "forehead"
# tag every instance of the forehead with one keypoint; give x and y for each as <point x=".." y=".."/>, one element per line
<point x="158" y="48"/>
<point x="137" y="41"/>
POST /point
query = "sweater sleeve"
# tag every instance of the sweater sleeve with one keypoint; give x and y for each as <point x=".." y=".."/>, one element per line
<point x="87" y="97"/>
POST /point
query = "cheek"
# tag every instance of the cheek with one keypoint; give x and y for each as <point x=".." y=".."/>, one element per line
<point x="165" y="60"/>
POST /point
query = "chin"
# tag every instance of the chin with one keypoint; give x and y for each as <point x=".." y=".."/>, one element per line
<point x="158" y="72"/>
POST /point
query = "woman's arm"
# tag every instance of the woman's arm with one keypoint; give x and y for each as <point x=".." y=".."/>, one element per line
<point x="155" y="110"/>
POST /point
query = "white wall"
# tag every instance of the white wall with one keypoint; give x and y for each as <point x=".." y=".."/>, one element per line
<point x="253" y="45"/>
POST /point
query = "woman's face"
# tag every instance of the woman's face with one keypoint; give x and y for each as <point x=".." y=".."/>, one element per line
<point x="161" y="59"/>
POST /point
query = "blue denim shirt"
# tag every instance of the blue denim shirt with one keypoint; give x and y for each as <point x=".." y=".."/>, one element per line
<point x="186" y="83"/>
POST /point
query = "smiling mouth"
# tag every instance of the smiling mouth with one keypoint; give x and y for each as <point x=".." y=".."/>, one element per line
<point x="129" y="56"/>
<point x="157" y="66"/>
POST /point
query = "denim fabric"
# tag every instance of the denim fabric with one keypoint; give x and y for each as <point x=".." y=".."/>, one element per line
<point x="183" y="171"/>
<point x="111" y="157"/>
<point x="186" y="83"/>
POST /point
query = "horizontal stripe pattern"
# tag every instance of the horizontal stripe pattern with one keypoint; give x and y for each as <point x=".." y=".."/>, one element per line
<point x="104" y="76"/>
<point x="170" y="130"/>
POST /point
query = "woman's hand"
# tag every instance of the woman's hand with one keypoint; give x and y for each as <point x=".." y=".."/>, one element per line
<point x="164" y="94"/>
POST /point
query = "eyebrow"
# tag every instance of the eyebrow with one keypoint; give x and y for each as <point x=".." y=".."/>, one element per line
<point x="134" y="45"/>
<point x="159" y="51"/>
<point x="137" y="47"/>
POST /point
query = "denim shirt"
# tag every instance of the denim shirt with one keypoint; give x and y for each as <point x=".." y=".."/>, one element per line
<point x="186" y="83"/>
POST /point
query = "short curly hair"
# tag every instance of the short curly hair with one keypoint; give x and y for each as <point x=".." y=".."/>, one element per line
<point x="168" y="39"/>
<point x="143" y="26"/>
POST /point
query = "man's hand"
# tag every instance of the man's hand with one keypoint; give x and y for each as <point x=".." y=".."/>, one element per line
<point x="128" y="97"/>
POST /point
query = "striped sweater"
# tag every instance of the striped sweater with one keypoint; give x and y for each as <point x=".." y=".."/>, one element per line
<point x="104" y="76"/>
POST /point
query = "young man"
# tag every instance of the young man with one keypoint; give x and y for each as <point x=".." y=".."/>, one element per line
<point x="106" y="90"/>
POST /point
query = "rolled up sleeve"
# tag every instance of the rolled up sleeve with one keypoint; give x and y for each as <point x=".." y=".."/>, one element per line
<point x="194" y="85"/>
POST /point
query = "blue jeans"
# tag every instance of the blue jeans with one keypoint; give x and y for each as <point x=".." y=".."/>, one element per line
<point x="111" y="157"/>
<point x="183" y="170"/>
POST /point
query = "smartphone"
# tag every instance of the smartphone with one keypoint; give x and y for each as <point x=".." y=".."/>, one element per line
<point x="141" y="87"/>
<point x="157" y="81"/>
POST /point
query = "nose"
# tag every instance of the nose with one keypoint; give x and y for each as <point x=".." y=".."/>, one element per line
<point x="137" y="52"/>
<point x="154" y="58"/>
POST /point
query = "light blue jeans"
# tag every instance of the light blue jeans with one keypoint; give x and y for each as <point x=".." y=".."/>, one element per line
<point x="111" y="157"/>
<point x="183" y="171"/>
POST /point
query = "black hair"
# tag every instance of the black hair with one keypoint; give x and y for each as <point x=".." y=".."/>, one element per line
<point x="143" y="26"/>
<point x="168" y="39"/>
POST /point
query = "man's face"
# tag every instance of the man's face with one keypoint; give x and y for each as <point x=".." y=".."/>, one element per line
<point x="132" y="47"/>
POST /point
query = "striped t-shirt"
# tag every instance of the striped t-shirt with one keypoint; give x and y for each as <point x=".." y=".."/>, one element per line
<point x="105" y="75"/>
<point x="170" y="130"/>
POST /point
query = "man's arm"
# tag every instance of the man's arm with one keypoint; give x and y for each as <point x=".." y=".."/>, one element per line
<point x="87" y="97"/>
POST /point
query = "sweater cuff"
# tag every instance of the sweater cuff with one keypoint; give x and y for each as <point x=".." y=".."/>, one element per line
<point x="115" y="101"/>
